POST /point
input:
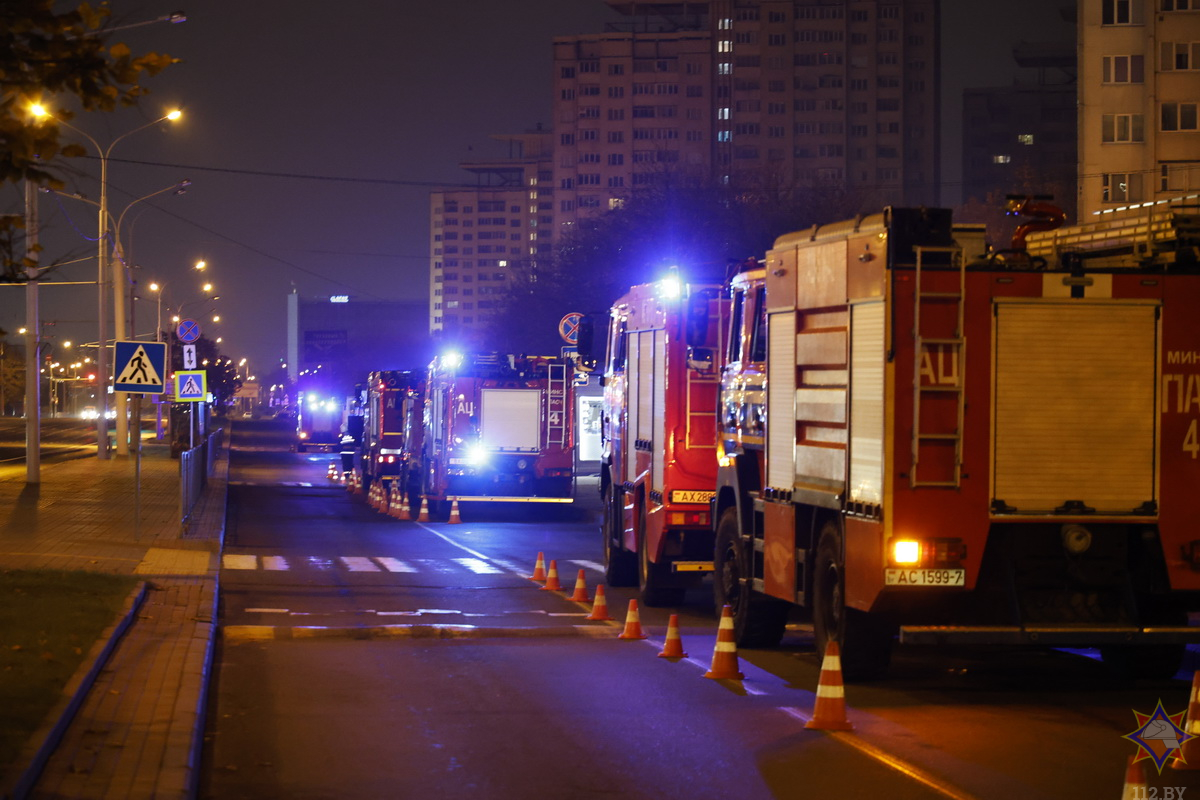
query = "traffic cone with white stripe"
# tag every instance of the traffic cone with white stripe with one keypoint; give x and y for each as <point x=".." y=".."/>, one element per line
<point x="539" y="569"/>
<point x="423" y="516"/>
<point x="405" y="513"/>
<point x="725" y="659"/>
<point x="552" y="578"/>
<point x="829" y="711"/>
<point x="1188" y="755"/>
<point x="673" y="646"/>
<point x="454" y="516"/>
<point x="580" y="595"/>
<point x="599" y="606"/>
<point x="1135" y="781"/>
<point x="633" y="623"/>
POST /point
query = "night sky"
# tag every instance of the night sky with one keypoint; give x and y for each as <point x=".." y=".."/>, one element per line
<point x="314" y="132"/>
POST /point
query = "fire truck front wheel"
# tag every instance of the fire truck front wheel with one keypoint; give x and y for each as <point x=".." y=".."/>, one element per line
<point x="758" y="621"/>
<point x="654" y="579"/>
<point x="865" y="641"/>
<point x="620" y="568"/>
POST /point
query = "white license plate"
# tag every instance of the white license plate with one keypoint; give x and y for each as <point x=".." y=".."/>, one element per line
<point x="925" y="577"/>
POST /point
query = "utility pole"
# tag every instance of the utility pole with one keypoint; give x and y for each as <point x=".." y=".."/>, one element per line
<point x="33" y="332"/>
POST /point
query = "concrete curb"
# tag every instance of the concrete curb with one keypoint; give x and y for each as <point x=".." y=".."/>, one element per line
<point x="48" y="736"/>
<point x="263" y="633"/>
<point x="196" y="751"/>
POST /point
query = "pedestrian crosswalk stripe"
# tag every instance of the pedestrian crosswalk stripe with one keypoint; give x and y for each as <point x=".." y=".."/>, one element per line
<point x="367" y="564"/>
<point x="478" y="566"/>
<point x="394" y="565"/>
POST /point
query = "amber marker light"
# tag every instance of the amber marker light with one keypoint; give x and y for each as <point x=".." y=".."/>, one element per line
<point x="906" y="551"/>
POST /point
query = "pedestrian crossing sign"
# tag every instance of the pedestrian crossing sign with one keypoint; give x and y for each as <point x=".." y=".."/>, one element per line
<point x="190" y="386"/>
<point x="139" y="367"/>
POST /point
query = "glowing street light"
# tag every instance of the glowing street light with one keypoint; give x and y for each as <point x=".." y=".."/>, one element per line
<point x="103" y="223"/>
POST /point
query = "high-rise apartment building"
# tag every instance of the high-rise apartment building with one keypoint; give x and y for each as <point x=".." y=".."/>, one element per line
<point x="479" y="235"/>
<point x="1139" y="88"/>
<point x="754" y="93"/>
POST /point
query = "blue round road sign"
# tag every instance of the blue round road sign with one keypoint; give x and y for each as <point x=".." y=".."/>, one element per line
<point x="188" y="331"/>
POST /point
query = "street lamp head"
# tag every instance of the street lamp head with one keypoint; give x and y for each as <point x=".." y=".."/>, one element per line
<point x="201" y="265"/>
<point x="182" y="186"/>
<point x="174" y="114"/>
<point x="154" y="286"/>
<point x="38" y="110"/>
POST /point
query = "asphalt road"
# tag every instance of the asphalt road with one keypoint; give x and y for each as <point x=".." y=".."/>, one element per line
<point x="59" y="437"/>
<point x="527" y="699"/>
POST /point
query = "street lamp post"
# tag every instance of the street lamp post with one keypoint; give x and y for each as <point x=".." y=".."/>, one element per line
<point x="102" y="224"/>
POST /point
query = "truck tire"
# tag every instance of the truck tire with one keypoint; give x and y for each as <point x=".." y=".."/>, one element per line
<point x="620" y="566"/>
<point x="758" y="621"/>
<point x="864" y="640"/>
<point x="654" y="579"/>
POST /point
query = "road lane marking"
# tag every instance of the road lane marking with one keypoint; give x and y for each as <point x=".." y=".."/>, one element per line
<point x="900" y="765"/>
<point x="592" y="565"/>
<point x="359" y="564"/>
<point x="232" y="561"/>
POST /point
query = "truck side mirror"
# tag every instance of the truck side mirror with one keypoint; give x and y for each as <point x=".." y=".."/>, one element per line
<point x="585" y="344"/>
<point x="697" y="319"/>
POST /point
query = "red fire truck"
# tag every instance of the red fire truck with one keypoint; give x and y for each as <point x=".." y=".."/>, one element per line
<point x="319" y="416"/>
<point x="392" y="429"/>
<point x="658" y="434"/>
<point x="498" y="428"/>
<point x="920" y="438"/>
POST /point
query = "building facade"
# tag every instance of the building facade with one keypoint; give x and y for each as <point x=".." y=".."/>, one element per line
<point x="481" y="235"/>
<point x="1139" y="88"/>
<point x="756" y="94"/>
<point x="1021" y="139"/>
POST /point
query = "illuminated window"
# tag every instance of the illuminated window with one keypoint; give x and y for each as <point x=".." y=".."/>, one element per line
<point x="1025" y="138"/>
<point x="1001" y="159"/>
<point x="1122" y="128"/>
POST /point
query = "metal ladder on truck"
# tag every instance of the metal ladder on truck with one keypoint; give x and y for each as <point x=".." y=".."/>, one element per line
<point x="955" y="348"/>
<point x="556" y="404"/>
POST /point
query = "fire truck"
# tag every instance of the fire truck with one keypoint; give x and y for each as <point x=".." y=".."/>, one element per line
<point x="319" y="417"/>
<point x="920" y="437"/>
<point x="392" y="429"/>
<point x="498" y="428"/>
<point x="658" y="435"/>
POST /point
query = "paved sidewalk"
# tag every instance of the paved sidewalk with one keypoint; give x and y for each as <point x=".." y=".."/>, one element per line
<point x="137" y="731"/>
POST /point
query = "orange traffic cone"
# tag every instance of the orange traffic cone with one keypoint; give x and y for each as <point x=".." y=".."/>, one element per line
<point x="1188" y="755"/>
<point x="580" y="595"/>
<point x="1135" y="781"/>
<point x="405" y="513"/>
<point x="599" y="606"/>
<point x="424" y="515"/>
<point x="829" y="711"/>
<point x="673" y="646"/>
<point x="454" y="516"/>
<point x="539" y="569"/>
<point x="725" y="660"/>
<point x="633" y="623"/>
<point x="552" y="578"/>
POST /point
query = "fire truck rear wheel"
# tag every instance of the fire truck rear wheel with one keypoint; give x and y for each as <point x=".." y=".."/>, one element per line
<point x="620" y="566"/>
<point x="758" y="621"/>
<point x="865" y="642"/>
